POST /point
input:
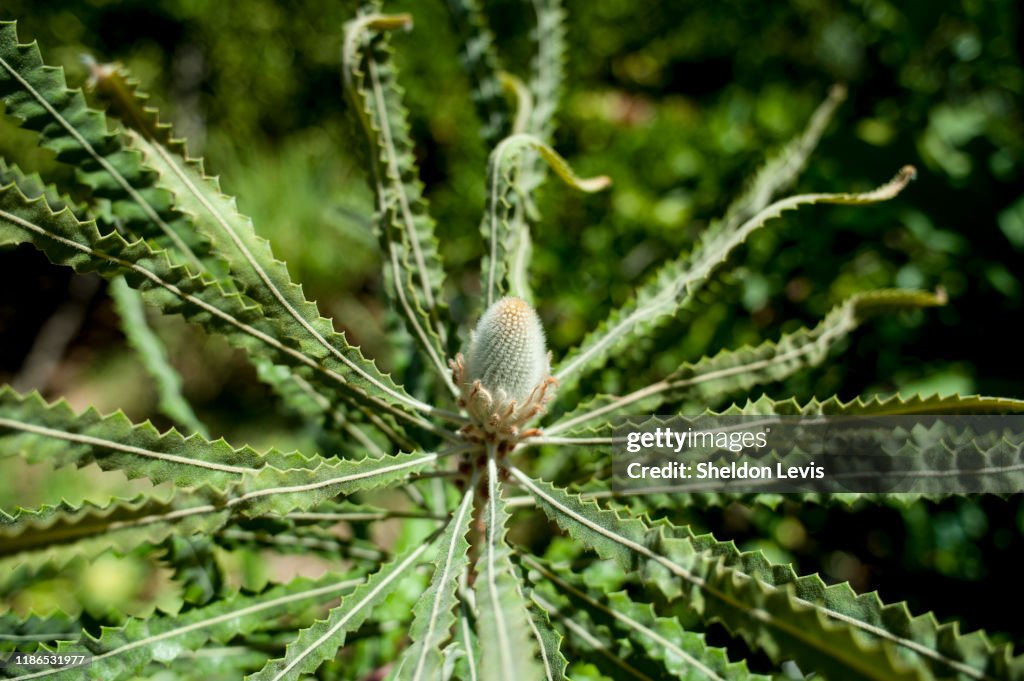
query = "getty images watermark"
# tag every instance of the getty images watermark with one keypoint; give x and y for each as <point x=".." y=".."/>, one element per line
<point x="825" y="454"/>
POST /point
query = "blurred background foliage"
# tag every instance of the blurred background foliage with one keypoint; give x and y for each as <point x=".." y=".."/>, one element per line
<point x="679" y="102"/>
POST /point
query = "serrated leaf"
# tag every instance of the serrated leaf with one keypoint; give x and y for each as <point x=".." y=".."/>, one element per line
<point x="271" y="490"/>
<point x="547" y="67"/>
<point x="731" y="371"/>
<point x="255" y="269"/>
<point x="684" y="654"/>
<point x="783" y="168"/>
<point x="481" y="63"/>
<point x="33" y="187"/>
<point x="549" y="640"/>
<point x="877" y="405"/>
<point x="585" y="644"/>
<point x="280" y="537"/>
<point x="434" y="611"/>
<point x="322" y="640"/>
<point x="67" y="241"/>
<point x="675" y="283"/>
<point x="59" y="533"/>
<point x="831" y="630"/>
<point x="504" y="192"/>
<point x="24" y="632"/>
<point x="503" y="622"/>
<point x="462" y="654"/>
<point x="211" y="216"/>
<point x="412" y="262"/>
<point x="122" y="651"/>
<point x="54" y="434"/>
<point x="38" y="96"/>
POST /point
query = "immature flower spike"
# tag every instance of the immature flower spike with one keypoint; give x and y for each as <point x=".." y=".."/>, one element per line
<point x="507" y="352"/>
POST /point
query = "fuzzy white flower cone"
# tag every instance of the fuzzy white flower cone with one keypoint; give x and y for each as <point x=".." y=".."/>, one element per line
<point x="507" y="352"/>
<point x="505" y="378"/>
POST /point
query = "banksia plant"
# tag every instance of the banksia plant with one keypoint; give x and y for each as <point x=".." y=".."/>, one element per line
<point x="516" y="560"/>
<point x="506" y="380"/>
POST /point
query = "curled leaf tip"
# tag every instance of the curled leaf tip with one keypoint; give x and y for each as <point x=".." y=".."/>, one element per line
<point x="596" y="184"/>
<point x="388" y="22"/>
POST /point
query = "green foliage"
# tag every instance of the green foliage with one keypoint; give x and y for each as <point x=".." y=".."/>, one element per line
<point x="502" y="600"/>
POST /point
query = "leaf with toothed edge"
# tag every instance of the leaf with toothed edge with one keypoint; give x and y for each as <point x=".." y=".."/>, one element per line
<point x="119" y="652"/>
<point x="255" y="269"/>
<point x="434" y="611"/>
<point x="498" y="227"/>
<point x="271" y="490"/>
<point x="481" y="63"/>
<point x="57" y="534"/>
<point x="25" y="632"/>
<point x="52" y="433"/>
<point x="67" y="241"/>
<point x="731" y="371"/>
<point x="684" y="654"/>
<point x="294" y="391"/>
<point x="781" y="169"/>
<point x="38" y="96"/>
<point x="831" y="630"/>
<point x="321" y="641"/>
<point x="549" y="640"/>
<point x="676" y="282"/>
<point x="503" y="621"/>
<point x="412" y="263"/>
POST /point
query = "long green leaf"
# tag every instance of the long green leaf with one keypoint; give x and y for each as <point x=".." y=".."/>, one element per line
<point x="503" y="623"/>
<point x="894" y="405"/>
<point x="683" y="654"/>
<point x="153" y="354"/>
<point x="547" y="75"/>
<point x="59" y="533"/>
<point x="177" y="191"/>
<point x="676" y="283"/>
<point x="21" y="632"/>
<point x="412" y="261"/>
<point x="584" y="643"/>
<point x="549" y="642"/>
<point x="504" y="193"/>
<point x="434" y="611"/>
<point x="481" y="63"/>
<point x="322" y="640"/>
<point x="38" y="96"/>
<point x="211" y="216"/>
<point x="122" y="651"/>
<point x="54" y="434"/>
<point x="782" y="169"/>
<point x="831" y="630"/>
<point x="271" y="490"/>
<point x="463" y="653"/>
<point x="547" y="69"/>
<point x="732" y="371"/>
<point x="67" y="241"/>
<point x="260" y="275"/>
